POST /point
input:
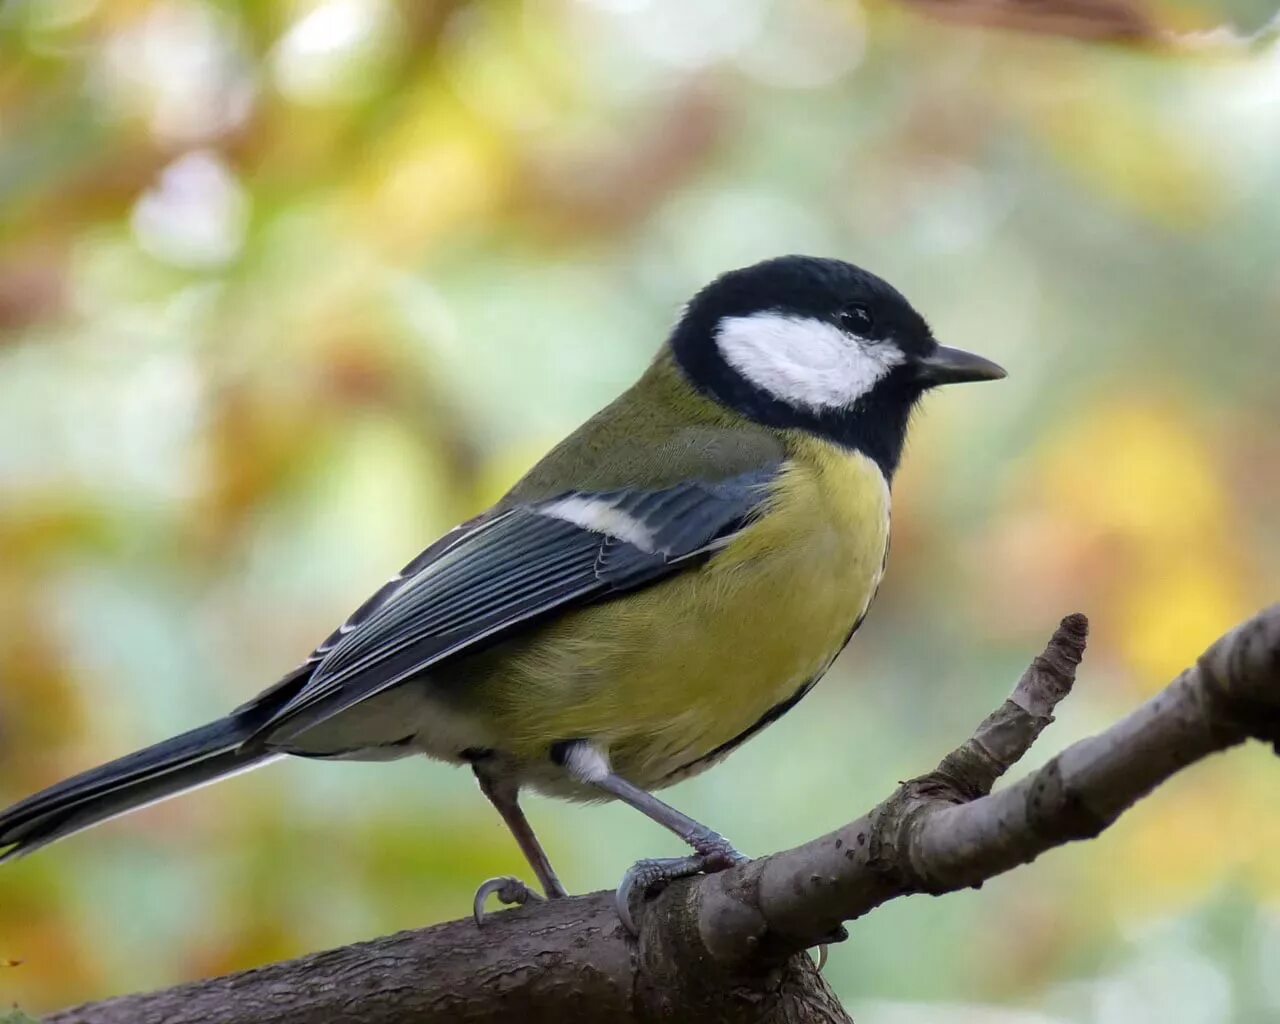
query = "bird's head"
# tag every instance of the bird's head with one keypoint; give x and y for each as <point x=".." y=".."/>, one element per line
<point x="818" y="345"/>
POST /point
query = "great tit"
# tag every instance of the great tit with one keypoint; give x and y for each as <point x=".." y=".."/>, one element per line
<point x="673" y="577"/>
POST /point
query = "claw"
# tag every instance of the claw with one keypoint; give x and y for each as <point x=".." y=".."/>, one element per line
<point x="511" y="892"/>
<point x="646" y="875"/>
<point x="838" y="934"/>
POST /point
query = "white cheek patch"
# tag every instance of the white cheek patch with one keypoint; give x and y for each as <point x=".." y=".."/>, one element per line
<point x="600" y="517"/>
<point x="804" y="362"/>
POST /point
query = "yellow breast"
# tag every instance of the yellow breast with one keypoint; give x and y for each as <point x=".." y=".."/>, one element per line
<point x="669" y="675"/>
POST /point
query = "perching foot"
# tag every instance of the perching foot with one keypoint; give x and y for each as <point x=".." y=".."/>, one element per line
<point x="645" y="876"/>
<point x="511" y="892"/>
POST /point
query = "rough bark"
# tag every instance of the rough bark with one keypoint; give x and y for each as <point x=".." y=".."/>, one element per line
<point x="730" y="947"/>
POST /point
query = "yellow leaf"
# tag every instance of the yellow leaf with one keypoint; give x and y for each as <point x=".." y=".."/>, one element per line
<point x="1171" y="613"/>
<point x="1143" y="473"/>
<point x="437" y="170"/>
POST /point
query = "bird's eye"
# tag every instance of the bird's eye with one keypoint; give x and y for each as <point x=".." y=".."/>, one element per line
<point x="857" y="319"/>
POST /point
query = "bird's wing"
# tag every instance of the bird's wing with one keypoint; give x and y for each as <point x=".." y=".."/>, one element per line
<point x="509" y="568"/>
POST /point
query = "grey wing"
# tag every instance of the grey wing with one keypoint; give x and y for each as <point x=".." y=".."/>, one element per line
<point x="508" y="569"/>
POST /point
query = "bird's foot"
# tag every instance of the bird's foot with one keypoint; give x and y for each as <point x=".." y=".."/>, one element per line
<point x="511" y="892"/>
<point x="646" y="876"/>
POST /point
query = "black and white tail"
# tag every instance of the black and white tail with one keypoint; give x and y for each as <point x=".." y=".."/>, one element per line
<point x="202" y="755"/>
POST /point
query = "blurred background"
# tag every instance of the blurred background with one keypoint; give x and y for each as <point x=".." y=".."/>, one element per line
<point x="288" y="289"/>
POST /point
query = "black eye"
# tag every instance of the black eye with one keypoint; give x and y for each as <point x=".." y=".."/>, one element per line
<point x="857" y="319"/>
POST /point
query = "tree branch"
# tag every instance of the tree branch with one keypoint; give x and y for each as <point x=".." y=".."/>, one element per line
<point x="728" y="948"/>
<point x="1126" y="22"/>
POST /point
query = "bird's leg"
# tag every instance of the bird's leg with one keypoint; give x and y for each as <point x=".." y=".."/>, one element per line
<point x="712" y="852"/>
<point x="503" y="793"/>
<point x="706" y="842"/>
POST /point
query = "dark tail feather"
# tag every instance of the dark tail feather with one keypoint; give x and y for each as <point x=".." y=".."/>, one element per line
<point x="184" y="762"/>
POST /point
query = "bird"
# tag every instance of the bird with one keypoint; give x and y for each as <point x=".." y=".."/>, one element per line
<point x="670" y="579"/>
